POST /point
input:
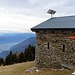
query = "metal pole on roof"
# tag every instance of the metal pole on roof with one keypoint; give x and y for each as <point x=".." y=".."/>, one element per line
<point x="51" y="15"/>
<point x="52" y="12"/>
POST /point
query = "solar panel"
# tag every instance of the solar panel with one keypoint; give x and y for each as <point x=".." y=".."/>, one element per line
<point x="51" y="11"/>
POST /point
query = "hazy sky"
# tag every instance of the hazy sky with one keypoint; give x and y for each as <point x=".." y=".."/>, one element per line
<point x="21" y="15"/>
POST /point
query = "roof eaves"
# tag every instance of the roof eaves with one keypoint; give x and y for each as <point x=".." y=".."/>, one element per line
<point x="54" y="29"/>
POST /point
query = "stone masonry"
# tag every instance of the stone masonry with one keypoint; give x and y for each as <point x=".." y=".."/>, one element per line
<point x="55" y="49"/>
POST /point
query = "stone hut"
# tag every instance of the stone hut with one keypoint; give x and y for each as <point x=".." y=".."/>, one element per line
<point x="55" y="43"/>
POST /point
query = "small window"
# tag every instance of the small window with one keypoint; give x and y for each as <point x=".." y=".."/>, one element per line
<point x="48" y="45"/>
<point x="63" y="48"/>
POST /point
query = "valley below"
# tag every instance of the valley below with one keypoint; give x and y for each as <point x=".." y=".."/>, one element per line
<point x="15" y="42"/>
<point x="5" y="47"/>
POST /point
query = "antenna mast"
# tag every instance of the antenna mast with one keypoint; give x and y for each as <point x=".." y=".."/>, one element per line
<point x="52" y="12"/>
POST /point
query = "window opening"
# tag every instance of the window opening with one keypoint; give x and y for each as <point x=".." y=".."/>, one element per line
<point x="63" y="48"/>
<point x="48" y="45"/>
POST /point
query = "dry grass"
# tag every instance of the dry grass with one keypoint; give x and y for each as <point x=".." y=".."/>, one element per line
<point x="20" y="69"/>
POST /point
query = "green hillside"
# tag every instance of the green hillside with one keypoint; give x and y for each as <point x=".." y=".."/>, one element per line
<point x="20" y="69"/>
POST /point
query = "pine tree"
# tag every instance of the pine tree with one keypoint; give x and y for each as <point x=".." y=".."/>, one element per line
<point x="29" y="53"/>
<point x="14" y="58"/>
<point x="8" y="60"/>
<point x="1" y="61"/>
<point x="21" y="57"/>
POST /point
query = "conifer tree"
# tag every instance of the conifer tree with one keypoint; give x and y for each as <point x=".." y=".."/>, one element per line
<point x="8" y="60"/>
<point x="21" y="57"/>
<point x="1" y="61"/>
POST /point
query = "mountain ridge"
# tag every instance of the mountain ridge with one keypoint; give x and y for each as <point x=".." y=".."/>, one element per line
<point x="14" y="37"/>
<point x="19" y="47"/>
<point x="24" y="44"/>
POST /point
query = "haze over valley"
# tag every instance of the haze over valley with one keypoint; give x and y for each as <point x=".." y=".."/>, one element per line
<point x="15" y="42"/>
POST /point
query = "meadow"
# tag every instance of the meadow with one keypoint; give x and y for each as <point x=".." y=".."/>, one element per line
<point x="20" y="69"/>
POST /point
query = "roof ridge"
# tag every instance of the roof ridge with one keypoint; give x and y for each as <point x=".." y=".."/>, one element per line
<point x="63" y="16"/>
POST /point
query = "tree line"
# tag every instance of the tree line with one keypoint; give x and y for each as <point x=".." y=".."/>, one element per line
<point x="27" y="55"/>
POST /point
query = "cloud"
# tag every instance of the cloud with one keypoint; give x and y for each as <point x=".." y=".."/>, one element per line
<point x="36" y="7"/>
<point x="21" y="15"/>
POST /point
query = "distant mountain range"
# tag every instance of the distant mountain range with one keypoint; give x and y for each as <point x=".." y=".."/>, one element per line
<point x="7" y="40"/>
<point x="14" y="37"/>
<point x="19" y="47"/>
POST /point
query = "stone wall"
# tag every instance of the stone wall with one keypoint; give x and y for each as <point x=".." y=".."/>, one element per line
<point x="55" y="49"/>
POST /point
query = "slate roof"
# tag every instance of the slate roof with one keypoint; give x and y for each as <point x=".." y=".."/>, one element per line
<point x="57" y="23"/>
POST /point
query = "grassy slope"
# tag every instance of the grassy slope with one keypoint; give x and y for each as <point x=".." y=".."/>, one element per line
<point x="20" y="69"/>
